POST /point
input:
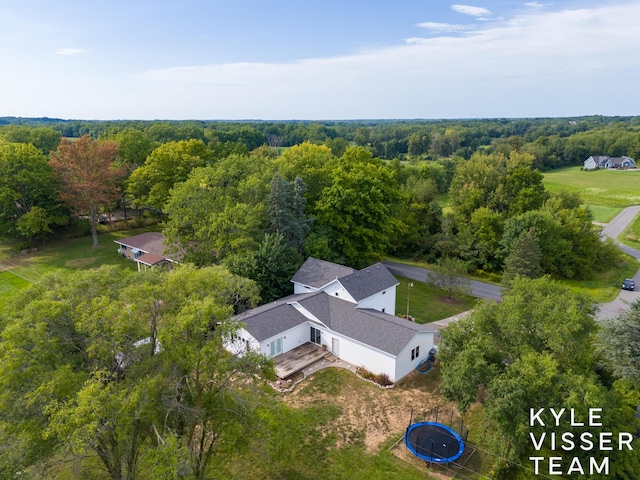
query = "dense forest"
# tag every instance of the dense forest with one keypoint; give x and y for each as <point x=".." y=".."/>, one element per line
<point x="243" y="204"/>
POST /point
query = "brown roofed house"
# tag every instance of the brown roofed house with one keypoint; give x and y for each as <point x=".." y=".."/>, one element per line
<point x="147" y="249"/>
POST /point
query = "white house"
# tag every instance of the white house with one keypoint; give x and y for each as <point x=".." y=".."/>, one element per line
<point x="603" y="161"/>
<point x="351" y="312"/>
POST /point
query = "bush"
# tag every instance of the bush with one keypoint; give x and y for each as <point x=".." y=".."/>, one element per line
<point x="381" y="379"/>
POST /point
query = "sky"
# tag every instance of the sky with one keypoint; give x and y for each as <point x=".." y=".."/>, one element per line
<point x="318" y="60"/>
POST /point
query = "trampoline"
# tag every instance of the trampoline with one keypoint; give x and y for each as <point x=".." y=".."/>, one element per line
<point x="434" y="442"/>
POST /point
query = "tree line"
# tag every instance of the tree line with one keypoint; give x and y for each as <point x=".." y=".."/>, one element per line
<point x="224" y="201"/>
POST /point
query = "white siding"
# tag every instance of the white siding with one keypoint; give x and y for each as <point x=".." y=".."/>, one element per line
<point x="336" y="289"/>
<point x="241" y="342"/>
<point x="382" y="301"/>
<point x="404" y="364"/>
<point x="300" y="288"/>
<point x="291" y="339"/>
<point x="590" y="164"/>
<point x="361" y="355"/>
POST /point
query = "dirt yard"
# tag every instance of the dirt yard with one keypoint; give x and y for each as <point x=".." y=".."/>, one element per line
<point x="372" y="414"/>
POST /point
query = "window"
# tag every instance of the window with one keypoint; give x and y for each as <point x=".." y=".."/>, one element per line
<point x="415" y="353"/>
<point x="315" y="336"/>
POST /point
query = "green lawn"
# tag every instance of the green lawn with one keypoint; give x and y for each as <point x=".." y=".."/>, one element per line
<point x="610" y="188"/>
<point x="427" y="303"/>
<point x="631" y="235"/>
<point x="603" y="213"/>
<point x="18" y="271"/>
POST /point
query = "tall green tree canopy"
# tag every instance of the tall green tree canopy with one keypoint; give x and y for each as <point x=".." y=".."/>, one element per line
<point x="361" y="207"/>
<point x="27" y="187"/>
<point x="218" y="210"/>
<point x="170" y="163"/>
<point x="110" y="367"/>
<point x="534" y="349"/>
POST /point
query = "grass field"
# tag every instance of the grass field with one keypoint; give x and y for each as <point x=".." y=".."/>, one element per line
<point x="427" y="303"/>
<point x="631" y="235"/>
<point x="17" y="271"/>
<point x="606" y="188"/>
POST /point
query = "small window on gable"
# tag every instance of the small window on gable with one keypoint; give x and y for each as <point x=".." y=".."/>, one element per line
<point x="383" y="310"/>
<point x="384" y="291"/>
<point x="336" y="294"/>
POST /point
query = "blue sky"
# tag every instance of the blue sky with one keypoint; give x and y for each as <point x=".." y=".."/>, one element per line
<point x="349" y="59"/>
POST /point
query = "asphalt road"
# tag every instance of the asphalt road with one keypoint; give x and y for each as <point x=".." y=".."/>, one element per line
<point x="613" y="229"/>
<point x="493" y="292"/>
<point x="478" y="289"/>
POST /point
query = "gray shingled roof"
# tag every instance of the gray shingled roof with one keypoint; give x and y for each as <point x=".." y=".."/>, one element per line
<point x="318" y="273"/>
<point x="272" y="318"/>
<point x="376" y="329"/>
<point x="379" y="330"/>
<point x="368" y="281"/>
<point x="360" y="284"/>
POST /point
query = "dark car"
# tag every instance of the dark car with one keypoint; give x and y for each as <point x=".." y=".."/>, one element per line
<point x="628" y="284"/>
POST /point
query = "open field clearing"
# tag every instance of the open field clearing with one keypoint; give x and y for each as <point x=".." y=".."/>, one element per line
<point x="606" y="188"/>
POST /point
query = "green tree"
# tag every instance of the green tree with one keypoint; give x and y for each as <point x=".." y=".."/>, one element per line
<point x="285" y="213"/>
<point x="271" y="266"/>
<point x="524" y="258"/>
<point x="361" y="208"/>
<point x="218" y="210"/>
<point x="88" y="177"/>
<point x="309" y="162"/>
<point x="167" y="165"/>
<point x="111" y="366"/>
<point x="27" y="185"/>
<point x="619" y="344"/>
<point x="449" y="275"/>
<point x="516" y="354"/>
<point x="419" y="143"/>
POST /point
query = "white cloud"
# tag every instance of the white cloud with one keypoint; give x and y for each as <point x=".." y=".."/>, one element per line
<point x="437" y="27"/>
<point x="536" y="64"/>
<point x="534" y="5"/>
<point x="470" y="10"/>
<point x="69" y="51"/>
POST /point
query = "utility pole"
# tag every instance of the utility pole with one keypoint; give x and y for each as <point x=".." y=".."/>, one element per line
<point x="409" y="285"/>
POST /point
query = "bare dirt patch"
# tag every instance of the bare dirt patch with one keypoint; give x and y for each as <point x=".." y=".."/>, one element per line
<point x="450" y="300"/>
<point x="370" y="414"/>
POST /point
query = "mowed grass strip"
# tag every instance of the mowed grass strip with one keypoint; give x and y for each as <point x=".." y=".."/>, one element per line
<point x="631" y="234"/>
<point x="428" y="303"/>
<point x="611" y="188"/>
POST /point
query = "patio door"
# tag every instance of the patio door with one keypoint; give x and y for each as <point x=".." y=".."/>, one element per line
<point x="276" y="347"/>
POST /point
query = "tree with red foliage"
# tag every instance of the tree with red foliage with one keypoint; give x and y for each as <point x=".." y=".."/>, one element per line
<point x="88" y="176"/>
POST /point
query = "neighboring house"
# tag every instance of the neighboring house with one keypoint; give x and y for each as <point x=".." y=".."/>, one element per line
<point x="603" y="161"/>
<point x="146" y="249"/>
<point x="350" y="312"/>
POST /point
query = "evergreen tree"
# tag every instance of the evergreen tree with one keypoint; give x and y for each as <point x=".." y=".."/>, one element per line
<point x="524" y="258"/>
<point x="285" y="210"/>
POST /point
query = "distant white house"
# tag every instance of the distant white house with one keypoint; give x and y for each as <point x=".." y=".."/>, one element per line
<point x="603" y="161"/>
<point x="350" y="312"/>
<point x="146" y="249"/>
